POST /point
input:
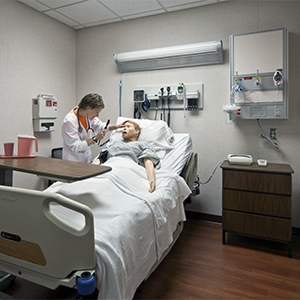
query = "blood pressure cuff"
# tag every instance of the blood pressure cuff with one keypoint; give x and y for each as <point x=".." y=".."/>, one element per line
<point x="103" y="156"/>
<point x="146" y="104"/>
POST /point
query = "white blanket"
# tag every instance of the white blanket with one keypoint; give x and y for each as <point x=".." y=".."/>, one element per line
<point x="132" y="226"/>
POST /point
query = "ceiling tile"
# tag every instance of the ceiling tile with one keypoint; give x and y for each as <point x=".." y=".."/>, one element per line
<point x="87" y="12"/>
<point x="34" y="4"/>
<point x="185" y="6"/>
<point x="58" y="3"/>
<point x="190" y="5"/>
<point x="184" y="3"/>
<point x="102" y="22"/>
<point x="145" y="14"/>
<point x="131" y="7"/>
<point x="61" y="18"/>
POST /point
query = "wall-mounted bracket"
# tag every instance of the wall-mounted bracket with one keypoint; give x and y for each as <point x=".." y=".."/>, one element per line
<point x="158" y="95"/>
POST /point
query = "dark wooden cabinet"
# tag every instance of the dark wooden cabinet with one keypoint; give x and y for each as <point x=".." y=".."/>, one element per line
<point x="257" y="201"/>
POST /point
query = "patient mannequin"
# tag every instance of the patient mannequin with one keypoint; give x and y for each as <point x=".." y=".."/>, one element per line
<point x="139" y="151"/>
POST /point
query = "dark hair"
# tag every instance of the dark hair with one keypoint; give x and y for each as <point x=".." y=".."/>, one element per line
<point x="93" y="100"/>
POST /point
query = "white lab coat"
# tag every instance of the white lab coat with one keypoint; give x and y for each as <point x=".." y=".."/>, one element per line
<point x="75" y="147"/>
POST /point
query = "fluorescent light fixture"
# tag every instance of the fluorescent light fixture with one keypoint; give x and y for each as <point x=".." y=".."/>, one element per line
<point x="170" y="57"/>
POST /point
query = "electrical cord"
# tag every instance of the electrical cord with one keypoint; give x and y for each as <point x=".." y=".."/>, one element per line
<point x="162" y="114"/>
<point x="168" y="120"/>
<point x="262" y="135"/>
<point x="101" y="145"/>
<point x="212" y="174"/>
<point x="156" y="108"/>
<point x="276" y="95"/>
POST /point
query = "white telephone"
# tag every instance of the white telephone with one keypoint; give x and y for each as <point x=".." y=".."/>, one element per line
<point x="240" y="159"/>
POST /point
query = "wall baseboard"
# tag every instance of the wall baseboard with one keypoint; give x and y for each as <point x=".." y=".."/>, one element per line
<point x="203" y="217"/>
<point x="218" y="219"/>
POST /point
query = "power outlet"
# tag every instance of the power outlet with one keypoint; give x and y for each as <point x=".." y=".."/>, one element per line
<point x="273" y="133"/>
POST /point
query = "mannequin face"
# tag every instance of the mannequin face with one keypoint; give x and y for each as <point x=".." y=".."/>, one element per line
<point x="129" y="133"/>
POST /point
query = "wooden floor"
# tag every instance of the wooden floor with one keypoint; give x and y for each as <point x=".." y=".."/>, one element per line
<point x="200" y="267"/>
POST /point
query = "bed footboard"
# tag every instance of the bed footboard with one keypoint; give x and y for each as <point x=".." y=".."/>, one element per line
<point x="37" y="245"/>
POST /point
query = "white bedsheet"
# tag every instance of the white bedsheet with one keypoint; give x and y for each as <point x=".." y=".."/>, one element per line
<point x="132" y="227"/>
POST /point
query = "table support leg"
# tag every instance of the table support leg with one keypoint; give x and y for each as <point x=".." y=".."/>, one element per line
<point x="6" y="177"/>
<point x="6" y="281"/>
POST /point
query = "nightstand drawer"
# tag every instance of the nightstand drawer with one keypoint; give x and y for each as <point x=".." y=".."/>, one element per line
<point x="257" y="182"/>
<point x="264" y="204"/>
<point x="262" y="226"/>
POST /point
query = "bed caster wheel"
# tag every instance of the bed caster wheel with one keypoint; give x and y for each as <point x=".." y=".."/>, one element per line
<point x="86" y="284"/>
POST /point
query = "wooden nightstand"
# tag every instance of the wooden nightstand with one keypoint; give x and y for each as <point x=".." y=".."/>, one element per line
<point x="257" y="201"/>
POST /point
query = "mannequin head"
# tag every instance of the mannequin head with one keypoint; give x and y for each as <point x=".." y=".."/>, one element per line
<point x="131" y="131"/>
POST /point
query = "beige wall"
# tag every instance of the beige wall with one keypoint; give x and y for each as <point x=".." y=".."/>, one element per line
<point x="212" y="138"/>
<point x="37" y="55"/>
<point x="41" y="55"/>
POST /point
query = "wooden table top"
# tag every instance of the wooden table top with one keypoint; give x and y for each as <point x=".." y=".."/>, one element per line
<point x="270" y="168"/>
<point x="54" y="168"/>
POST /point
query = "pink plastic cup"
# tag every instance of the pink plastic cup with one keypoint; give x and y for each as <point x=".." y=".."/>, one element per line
<point x="9" y="149"/>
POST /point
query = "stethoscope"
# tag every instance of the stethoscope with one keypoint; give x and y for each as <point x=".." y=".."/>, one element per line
<point x="79" y="126"/>
<point x="80" y="129"/>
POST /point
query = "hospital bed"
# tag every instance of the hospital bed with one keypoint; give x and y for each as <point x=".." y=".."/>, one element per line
<point x="107" y="226"/>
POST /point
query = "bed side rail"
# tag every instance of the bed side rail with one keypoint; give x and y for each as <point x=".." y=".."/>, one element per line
<point x="39" y="246"/>
<point x="190" y="170"/>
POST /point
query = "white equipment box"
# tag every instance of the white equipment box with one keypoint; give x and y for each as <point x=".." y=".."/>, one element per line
<point x="44" y="112"/>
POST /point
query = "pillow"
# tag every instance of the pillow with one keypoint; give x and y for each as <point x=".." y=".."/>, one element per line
<point x="156" y="133"/>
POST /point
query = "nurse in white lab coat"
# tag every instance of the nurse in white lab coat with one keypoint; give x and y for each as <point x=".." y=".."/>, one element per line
<point x="82" y="128"/>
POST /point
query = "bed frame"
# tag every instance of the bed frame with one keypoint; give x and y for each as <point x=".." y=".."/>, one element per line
<point x="31" y="255"/>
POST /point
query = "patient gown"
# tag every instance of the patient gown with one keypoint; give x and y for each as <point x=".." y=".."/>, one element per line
<point x="136" y="150"/>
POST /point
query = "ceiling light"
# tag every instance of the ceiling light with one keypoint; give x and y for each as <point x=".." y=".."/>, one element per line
<point x="170" y="57"/>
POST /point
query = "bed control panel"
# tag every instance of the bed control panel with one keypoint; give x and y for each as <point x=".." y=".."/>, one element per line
<point x="11" y="237"/>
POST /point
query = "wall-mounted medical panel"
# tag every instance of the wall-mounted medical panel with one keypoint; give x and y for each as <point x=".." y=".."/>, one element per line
<point x="259" y="74"/>
<point x="176" y="96"/>
<point x="44" y="113"/>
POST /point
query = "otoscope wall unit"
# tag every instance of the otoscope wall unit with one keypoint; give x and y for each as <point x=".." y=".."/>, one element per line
<point x="179" y="96"/>
<point x="259" y="74"/>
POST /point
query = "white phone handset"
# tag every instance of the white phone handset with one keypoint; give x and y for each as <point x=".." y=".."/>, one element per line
<point x="240" y="159"/>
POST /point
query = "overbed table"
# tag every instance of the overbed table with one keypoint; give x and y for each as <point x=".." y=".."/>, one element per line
<point x="51" y="168"/>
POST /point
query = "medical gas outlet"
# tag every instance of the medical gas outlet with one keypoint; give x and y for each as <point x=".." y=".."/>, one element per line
<point x="182" y="96"/>
<point x="44" y="112"/>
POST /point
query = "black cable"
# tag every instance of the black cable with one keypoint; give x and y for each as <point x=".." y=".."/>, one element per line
<point x="162" y="114"/>
<point x="100" y="145"/>
<point x="135" y="111"/>
<point x="139" y="110"/>
<point x="168" y="89"/>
